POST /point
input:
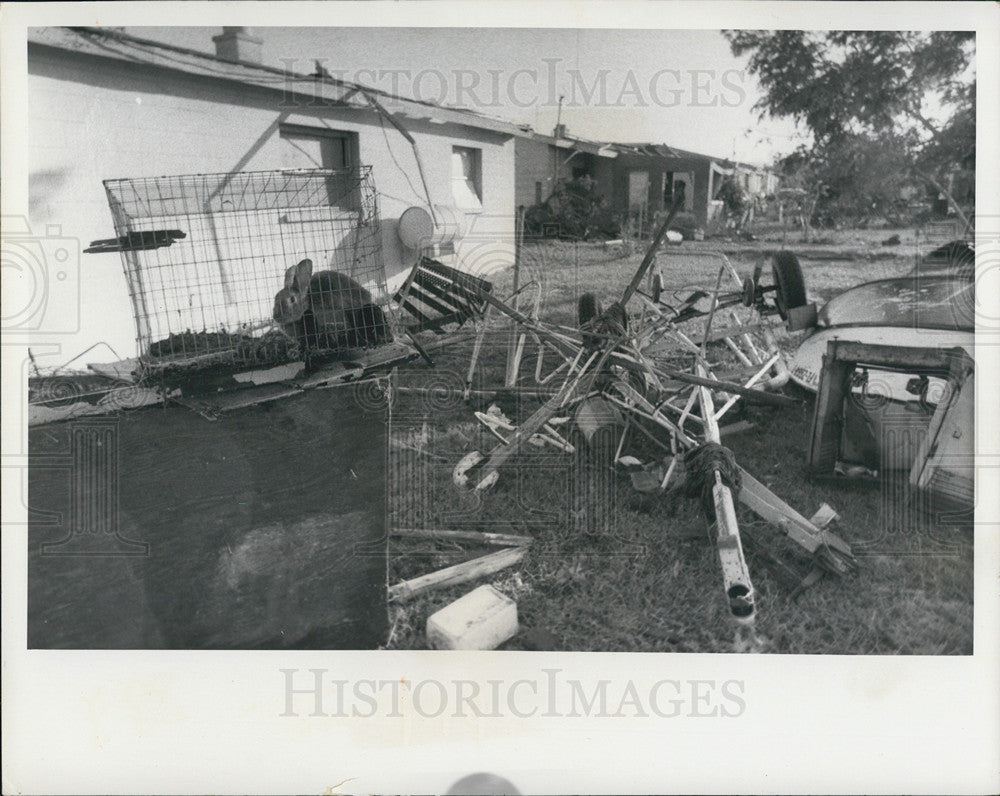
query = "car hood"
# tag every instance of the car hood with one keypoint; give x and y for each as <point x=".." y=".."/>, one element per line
<point x="916" y="301"/>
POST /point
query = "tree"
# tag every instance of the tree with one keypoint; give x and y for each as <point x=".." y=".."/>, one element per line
<point x="910" y="90"/>
<point x="856" y="177"/>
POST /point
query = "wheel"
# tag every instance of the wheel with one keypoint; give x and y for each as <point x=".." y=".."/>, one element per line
<point x="787" y="275"/>
<point x="656" y="286"/>
<point x="588" y="308"/>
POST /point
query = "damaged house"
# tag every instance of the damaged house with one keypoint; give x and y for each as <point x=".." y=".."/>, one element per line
<point x="213" y="179"/>
<point x="107" y="105"/>
<point x="635" y="181"/>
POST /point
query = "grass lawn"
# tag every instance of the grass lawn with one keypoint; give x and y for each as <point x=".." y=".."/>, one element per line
<point x="652" y="581"/>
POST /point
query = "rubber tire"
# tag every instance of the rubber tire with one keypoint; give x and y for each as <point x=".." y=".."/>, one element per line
<point x="656" y="287"/>
<point x="588" y="308"/>
<point x="787" y="275"/>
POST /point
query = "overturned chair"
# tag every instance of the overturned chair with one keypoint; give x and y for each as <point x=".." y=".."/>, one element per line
<point x="436" y="295"/>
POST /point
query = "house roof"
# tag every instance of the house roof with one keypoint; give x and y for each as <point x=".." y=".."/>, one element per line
<point x="121" y="47"/>
<point x="667" y="151"/>
<point x="572" y="142"/>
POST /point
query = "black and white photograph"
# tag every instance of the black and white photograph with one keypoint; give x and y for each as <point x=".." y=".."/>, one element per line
<point x="428" y="376"/>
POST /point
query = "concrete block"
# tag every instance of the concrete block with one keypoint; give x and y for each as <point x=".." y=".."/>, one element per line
<point x="481" y="620"/>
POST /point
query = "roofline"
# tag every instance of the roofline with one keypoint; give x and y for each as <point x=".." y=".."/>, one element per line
<point x="677" y="152"/>
<point x="568" y="142"/>
<point x="95" y="42"/>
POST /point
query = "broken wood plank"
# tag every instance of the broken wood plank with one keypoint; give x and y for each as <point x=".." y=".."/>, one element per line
<point x="762" y="501"/>
<point x="505" y="539"/>
<point x="824" y="515"/>
<point x="739" y="427"/>
<point x="459" y="573"/>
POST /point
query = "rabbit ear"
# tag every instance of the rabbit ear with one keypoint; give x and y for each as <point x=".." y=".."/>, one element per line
<point x="297" y="277"/>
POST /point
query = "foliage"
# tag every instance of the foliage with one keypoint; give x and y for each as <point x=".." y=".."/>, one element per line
<point x="853" y="179"/>
<point x="573" y="211"/>
<point x="891" y="105"/>
<point x="732" y="196"/>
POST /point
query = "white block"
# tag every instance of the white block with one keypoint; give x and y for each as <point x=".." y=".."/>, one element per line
<point x="481" y="620"/>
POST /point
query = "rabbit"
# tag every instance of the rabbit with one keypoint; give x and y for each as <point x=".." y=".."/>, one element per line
<point x="366" y="326"/>
<point x="291" y="307"/>
<point x="334" y="299"/>
<point x="327" y="310"/>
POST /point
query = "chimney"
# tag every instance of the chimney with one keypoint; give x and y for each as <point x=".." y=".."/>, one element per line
<point x="560" y="131"/>
<point x="238" y="44"/>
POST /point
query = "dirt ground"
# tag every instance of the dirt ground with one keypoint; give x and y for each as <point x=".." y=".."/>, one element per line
<point x="264" y="529"/>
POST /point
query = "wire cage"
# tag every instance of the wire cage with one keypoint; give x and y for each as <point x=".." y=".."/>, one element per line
<point x="252" y="268"/>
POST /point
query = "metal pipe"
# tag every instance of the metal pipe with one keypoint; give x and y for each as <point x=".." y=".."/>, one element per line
<point x="735" y="575"/>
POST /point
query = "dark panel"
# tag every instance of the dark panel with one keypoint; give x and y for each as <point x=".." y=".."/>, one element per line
<point x="263" y="529"/>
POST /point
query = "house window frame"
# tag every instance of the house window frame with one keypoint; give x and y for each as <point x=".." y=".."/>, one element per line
<point x="465" y="185"/>
<point x="351" y="150"/>
<point x="349" y="137"/>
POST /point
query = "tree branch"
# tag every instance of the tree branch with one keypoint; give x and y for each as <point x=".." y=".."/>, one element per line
<point x="947" y="194"/>
<point x="924" y="121"/>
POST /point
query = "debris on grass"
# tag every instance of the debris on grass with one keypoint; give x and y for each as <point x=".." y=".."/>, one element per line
<point x="459" y="573"/>
<point x="483" y="619"/>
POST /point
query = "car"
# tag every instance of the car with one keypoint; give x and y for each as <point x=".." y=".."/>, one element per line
<point x="921" y="310"/>
<point x="932" y="307"/>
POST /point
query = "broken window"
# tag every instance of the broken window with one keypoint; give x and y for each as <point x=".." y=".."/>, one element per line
<point x="467" y="177"/>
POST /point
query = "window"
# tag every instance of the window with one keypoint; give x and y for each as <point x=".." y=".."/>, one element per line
<point x="538" y="193"/>
<point x="467" y="177"/>
<point x="317" y="148"/>
<point x="321" y="148"/>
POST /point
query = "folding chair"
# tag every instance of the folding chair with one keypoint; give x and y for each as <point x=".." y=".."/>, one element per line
<point x="436" y="295"/>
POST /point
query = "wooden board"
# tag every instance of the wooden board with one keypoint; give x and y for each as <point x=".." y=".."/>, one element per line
<point x="945" y="464"/>
<point x="159" y="529"/>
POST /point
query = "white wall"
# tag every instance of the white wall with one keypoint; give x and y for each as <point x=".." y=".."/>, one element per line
<point x="92" y="119"/>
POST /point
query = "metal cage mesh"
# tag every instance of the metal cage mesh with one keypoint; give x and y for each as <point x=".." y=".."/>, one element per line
<point x="206" y="255"/>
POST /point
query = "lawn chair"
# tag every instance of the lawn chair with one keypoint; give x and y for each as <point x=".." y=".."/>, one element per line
<point x="436" y="295"/>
